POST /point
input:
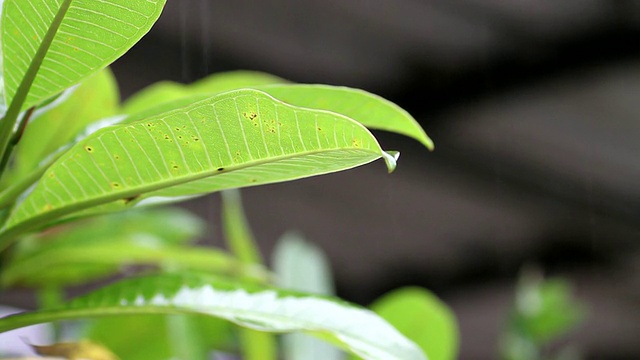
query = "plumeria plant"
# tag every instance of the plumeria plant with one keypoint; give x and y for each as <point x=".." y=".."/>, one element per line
<point x="80" y="171"/>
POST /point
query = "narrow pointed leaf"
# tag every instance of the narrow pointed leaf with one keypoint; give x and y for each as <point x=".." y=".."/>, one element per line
<point x="148" y="337"/>
<point x="355" y="329"/>
<point x="90" y="35"/>
<point x="235" y="139"/>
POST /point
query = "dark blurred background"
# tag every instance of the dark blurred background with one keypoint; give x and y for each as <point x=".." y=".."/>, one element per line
<point x="534" y="107"/>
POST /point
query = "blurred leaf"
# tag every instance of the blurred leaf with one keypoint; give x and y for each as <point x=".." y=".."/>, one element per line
<point x="355" y="329"/>
<point x="545" y="309"/>
<point x="148" y="337"/>
<point x="166" y="91"/>
<point x="83" y="350"/>
<point x="58" y="123"/>
<point x="423" y="318"/>
<point x="299" y="265"/>
<point x="236" y="229"/>
<point x="100" y="247"/>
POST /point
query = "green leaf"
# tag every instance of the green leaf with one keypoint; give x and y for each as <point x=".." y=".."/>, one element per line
<point x="355" y="329"/>
<point x="299" y="265"/>
<point x="545" y="309"/>
<point x="423" y="318"/>
<point x="58" y="123"/>
<point x="167" y="91"/>
<point x="100" y="247"/>
<point x="231" y="140"/>
<point x="148" y="337"/>
<point x="371" y="110"/>
<point x="56" y="43"/>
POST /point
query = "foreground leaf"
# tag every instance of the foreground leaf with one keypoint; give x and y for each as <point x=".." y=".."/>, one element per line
<point x="235" y="139"/>
<point x="353" y="328"/>
<point x="423" y="318"/>
<point x="85" y="37"/>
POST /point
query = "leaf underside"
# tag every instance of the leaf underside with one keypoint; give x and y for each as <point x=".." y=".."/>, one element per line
<point x="92" y="34"/>
<point x="231" y="140"/>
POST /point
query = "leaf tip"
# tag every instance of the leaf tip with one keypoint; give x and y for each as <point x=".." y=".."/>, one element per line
<point x="391" y="158"/>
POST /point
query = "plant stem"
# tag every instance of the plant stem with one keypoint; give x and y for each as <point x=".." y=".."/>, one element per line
<point x="8" y="124"/>
<point x="256" y="345"/>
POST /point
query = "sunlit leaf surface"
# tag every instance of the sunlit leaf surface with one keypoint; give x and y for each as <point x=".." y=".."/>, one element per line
<point x="92" y="34"/>
<point x="355" y="329"/>
<point x="235" y="139"/>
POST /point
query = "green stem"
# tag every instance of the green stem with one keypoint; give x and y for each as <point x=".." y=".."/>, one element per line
<point x="256" y="345"/>
<point x="50" y="297"/>
<point x="8" y="124"/>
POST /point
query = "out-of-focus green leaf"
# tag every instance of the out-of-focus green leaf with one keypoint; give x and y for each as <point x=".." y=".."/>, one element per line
<point x="299" y="265"/>
<point x="82" y="350"/>
<point x="58" y="123"/>
<point x="167" y="91"/>
<point x="355" y="329"/>
<point x="100" y="247"/>
<point x="545" y="309"/>
<point x="147" y="337"/>
<point x="423" y="318"/>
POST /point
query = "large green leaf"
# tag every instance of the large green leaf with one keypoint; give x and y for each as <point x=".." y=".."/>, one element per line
<point x="56" y="43"/>
<point x="299" y="265"/>
<point x="99" y="247"/>
<point x="95" y="98"/>
<point x="353" y="328"/>
<point x="371" y="110"/>
<point x="235" y="139"/>
<point x="423" y="318"/>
